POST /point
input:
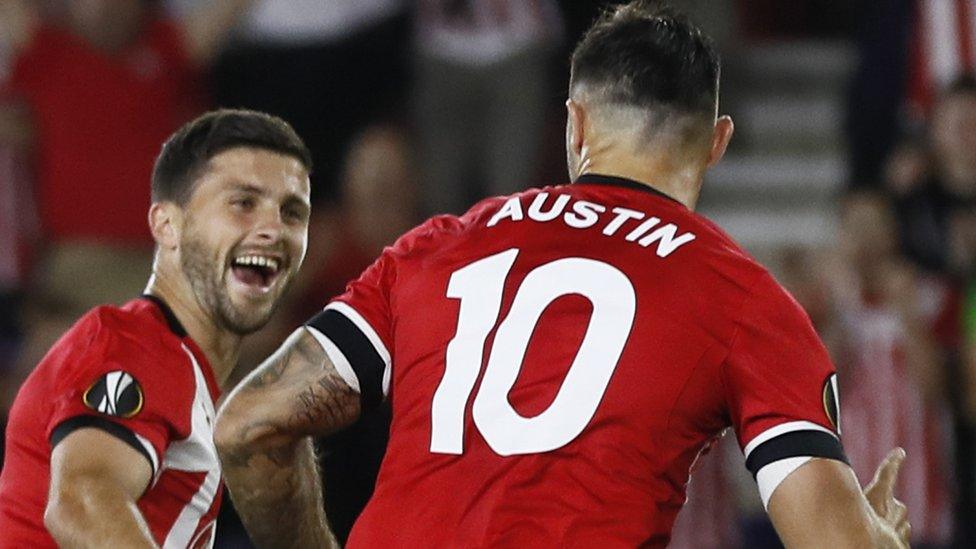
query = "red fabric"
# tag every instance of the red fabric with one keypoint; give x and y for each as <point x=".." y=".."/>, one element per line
<point x="134" y="339"/>
<point x="101" y="120"/>
<point x="715" y="342"/>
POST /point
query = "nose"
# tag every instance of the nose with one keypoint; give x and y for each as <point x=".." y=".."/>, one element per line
<point x="271" y="227"/>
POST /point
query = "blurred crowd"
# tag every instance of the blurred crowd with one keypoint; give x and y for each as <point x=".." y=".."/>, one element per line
<point x="415" y="107"/>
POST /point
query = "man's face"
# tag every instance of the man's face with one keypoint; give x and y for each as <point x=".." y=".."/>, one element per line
<point x="244" y="235"/>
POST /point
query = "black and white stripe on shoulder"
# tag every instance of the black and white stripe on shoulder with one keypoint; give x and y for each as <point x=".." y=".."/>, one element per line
<point x="792" y="439"/>
<point x="776" y="452"/>
<point x="355" y="349"/>
<point x="121" y="432"/>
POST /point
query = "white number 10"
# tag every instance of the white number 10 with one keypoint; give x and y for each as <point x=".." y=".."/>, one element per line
<point x="479" y="286"/>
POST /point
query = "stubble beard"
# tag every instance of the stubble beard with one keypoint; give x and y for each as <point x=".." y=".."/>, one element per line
<point x="206" y="276"/>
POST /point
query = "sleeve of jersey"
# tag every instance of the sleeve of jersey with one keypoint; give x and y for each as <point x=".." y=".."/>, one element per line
<point x="124" y="387"/>
<point x="780" y="388"/>
<point x="355" y="330"/>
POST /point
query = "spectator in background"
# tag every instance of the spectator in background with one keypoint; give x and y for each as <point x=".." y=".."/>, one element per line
<point x="933" y="181"/>
<point x="929" y="179"/>
<point x="104" y="81"/>
<point x="909" y="50"/>
<point x="328" y="67"/>
<point x="482" y="70"/>
<point x="892" y="378"/>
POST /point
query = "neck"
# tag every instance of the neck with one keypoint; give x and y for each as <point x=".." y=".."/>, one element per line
<point x="664" y="172"/>
<point x="220" y="346"/>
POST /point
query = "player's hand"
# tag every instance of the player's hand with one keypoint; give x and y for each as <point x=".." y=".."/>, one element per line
<point x="880" y="493"/>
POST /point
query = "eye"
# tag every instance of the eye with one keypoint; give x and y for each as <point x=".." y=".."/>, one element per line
<point x="243" y="203"/>
<point x="294" y="214"/>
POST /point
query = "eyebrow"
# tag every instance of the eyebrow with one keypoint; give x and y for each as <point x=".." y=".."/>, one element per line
<point x="248" y="188"/>
<point x="290" y="199"/>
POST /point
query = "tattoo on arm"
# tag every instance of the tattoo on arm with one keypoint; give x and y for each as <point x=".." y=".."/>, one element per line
<point x="263" y="435"/>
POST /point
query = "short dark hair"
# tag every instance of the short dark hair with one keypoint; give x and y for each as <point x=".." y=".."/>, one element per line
<point x="645" y="54"/>
<point x="187" y="151"/>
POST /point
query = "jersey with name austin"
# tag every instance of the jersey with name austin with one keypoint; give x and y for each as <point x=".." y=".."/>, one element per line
<point x="133" y="373"/>
<point x="557" y="360"/>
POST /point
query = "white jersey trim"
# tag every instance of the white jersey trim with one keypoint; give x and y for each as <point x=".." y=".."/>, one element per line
<point x="782" y="429"/>
<point x="153" y="457"/>
<point x="772" y="475"/>
<point x="370" y="334"/>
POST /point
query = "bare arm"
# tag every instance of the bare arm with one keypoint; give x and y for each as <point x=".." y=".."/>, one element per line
<point x="262" y="435"/>
<point x="96" y="480"/>
<point x="821" y="505"/>
<point x="207" y="27"/>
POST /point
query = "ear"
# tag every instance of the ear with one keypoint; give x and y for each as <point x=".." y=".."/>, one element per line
<point x="721" y="135"/>
<point x="165" y="219"/>
<point x="575" y="121"/>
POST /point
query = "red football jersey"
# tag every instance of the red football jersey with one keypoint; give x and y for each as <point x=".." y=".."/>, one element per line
<point x="134" y="373"/>
<point x="558" y="359"/>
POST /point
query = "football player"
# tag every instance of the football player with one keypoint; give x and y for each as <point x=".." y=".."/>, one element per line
<point x="110" y="440"/>
<point x="557" y="359"/>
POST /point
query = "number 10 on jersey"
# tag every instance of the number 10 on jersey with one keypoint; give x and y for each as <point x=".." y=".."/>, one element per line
<point x="479" y="286"/>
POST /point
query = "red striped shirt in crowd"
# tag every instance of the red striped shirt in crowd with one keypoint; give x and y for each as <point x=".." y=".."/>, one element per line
<point x="882" y="406"/>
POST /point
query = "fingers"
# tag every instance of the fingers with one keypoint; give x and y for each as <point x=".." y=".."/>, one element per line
<point x="887" y="474"/>
<point x="904" y="531"/>
<point x="897" y="518"/>
<point x="897" y="512"/>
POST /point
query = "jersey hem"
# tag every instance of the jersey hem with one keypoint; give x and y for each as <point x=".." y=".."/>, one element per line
<point x="358" y="350"/>
<point x="803" y="443"/>
<point x="117" y="430"/>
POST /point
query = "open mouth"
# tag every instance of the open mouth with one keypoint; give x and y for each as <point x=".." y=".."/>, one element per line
<point x="256" y="271"/>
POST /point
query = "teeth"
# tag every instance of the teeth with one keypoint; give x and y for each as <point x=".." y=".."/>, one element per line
<point x="258" y="260"/>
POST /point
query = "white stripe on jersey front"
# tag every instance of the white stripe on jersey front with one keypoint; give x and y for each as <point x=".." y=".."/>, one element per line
<point x="782" y="429"/>
<point x="187" y="523"/>
<point x="153" y="458"/>
<point x="337" y="357"/>
<point x="196" y="453"/>
<point x="370" y="334"/>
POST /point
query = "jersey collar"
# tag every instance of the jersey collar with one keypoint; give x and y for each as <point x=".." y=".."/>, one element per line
<point x="612" y="180"/>
<point x="171" y="320"/>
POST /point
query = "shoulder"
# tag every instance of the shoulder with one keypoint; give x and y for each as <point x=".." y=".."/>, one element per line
<point x="129" y="338"/>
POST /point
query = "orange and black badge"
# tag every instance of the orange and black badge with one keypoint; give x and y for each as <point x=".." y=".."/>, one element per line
<point x="831" y="402"/>
<point x="115" y="394"/>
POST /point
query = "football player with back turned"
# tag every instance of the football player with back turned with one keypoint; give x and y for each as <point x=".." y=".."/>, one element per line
<point x="556" y="360"/>
<point x="110" y="442"/>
